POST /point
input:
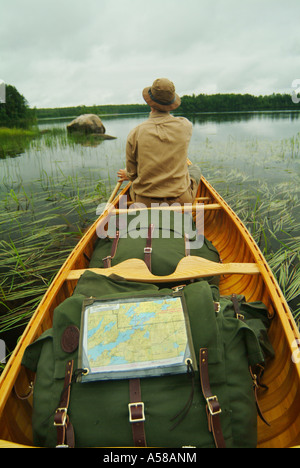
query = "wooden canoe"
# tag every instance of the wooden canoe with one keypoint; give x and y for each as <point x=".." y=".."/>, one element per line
<point x="244" y="271"/>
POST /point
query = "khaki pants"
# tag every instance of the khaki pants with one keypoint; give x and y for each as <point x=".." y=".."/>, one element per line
<point x="187" y="197"/>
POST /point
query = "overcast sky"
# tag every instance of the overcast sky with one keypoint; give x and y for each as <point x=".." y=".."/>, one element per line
<point x="69" y="52"/>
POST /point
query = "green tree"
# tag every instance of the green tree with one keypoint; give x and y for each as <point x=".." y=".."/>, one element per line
<point x="15" y="112"/>
<point x="236" y="102"/>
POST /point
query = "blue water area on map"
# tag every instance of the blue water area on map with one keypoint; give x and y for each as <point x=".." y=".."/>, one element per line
<point x="108" y="327"/>
<point x="95" y="352"/>
<point x="131" y="311"/>
<point x="140" y="319"/>
<point x="92" y="331"/>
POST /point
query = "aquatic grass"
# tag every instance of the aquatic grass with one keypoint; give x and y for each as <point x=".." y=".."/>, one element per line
<point x="271" y="214"/>
<point x="38" y="231"/>
<point x="285" y="264"/>
<point x="28" y="270"/>
<point x="14" y="141"/>
<point x="14" y="132"/>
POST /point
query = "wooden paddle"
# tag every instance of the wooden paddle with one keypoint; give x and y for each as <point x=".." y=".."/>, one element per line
<point x="114" y="193"/>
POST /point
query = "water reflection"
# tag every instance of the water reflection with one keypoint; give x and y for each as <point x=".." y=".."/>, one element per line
<point x="92" y="140"/>
<point x="266" y="125"/>
<point x="12" y="145"/>
<point x="243" y="116"/>
<point x="260" y="144"/>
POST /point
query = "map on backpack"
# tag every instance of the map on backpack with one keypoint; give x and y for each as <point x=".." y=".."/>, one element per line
<point x="134" y="338"/>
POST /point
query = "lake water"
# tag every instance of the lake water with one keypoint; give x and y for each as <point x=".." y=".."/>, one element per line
<point x="263" y="146"/>
<point x="252" y="159"/>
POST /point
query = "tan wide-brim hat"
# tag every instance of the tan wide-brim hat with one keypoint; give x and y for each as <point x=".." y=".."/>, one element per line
<point x="161" y="95"/>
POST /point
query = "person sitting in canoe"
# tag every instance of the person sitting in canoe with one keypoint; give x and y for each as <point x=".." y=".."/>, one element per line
<point x="157" y="150"/>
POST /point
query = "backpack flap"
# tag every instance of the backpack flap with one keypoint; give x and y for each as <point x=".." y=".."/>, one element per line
<point x="200" y="299"/>
<point x="32" y="353"/>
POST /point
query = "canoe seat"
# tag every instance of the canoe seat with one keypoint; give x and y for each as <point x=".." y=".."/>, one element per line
<point x="188" y="268"/>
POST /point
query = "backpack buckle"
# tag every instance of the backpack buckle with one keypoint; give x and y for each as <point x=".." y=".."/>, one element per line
<point x="136" y="412"/>
<point x="213" y="409"/>
<point x="60" y="417"/>
<point x="107" y="261"/>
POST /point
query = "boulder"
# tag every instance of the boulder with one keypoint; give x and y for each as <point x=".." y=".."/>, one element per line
<point x="87" y="123"/>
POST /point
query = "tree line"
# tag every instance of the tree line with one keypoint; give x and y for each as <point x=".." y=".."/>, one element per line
<point x="17" y="113"/>
<point x="236" y="102"/>
<point x="109" y="109"/>
<point x="189" y="105"/>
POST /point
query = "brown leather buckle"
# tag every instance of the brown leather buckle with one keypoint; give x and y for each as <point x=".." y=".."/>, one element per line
<point x="213" y="409"/>
<point x="136" y="412"/>
<point x="107" y="261"/>
<point x="60" y="417"/>
<point x="240" y="317"/>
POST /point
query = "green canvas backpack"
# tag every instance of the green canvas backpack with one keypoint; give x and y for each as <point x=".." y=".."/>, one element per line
<point x="211" y="404"/>
<point x="160" y="238"/>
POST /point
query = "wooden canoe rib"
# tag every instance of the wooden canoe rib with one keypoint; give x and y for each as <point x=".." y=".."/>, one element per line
<point x="243" y="271"/>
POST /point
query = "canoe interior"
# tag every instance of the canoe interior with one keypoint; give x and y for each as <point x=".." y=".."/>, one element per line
<point x="280" y="404"/>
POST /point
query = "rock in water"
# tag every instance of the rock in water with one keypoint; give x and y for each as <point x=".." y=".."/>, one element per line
<point x="86" y="123"/>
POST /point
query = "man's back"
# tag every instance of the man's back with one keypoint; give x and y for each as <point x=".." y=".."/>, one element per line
<point x="156" y="156"/>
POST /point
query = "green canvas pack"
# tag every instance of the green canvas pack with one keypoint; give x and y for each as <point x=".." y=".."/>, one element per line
<point x="174" y="406"/>
<point x="172" y="238"/>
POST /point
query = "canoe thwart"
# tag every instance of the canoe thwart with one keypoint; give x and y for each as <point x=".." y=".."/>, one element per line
<point x="188" y="268"/>
<point x="185" y="209"/>
<point x="198" y="199"/>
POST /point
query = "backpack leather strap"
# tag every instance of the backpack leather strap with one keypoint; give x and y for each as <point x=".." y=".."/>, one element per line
<point x="137" y="413"/>
<point x="65" y="432"/>
<point x="213" y="408"/>
<point x="255" y="375"/>
<point x="236" y="306"/>
<point x="148" y="248"/>
<point x="107" y="260"/>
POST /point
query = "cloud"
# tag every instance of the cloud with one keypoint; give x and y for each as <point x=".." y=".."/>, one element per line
<point x="64" y="53"/>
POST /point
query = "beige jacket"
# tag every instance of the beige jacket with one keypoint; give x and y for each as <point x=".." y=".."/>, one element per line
<point x="156" y="156"/>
